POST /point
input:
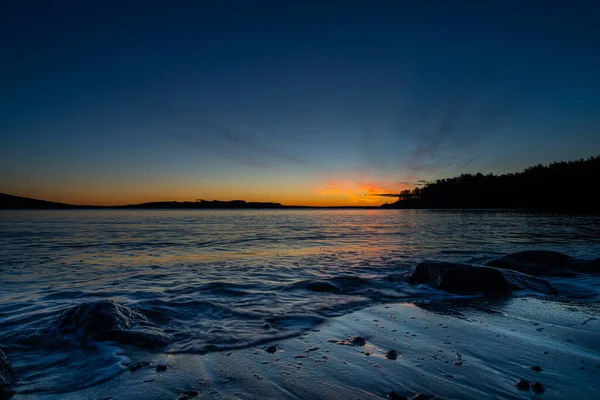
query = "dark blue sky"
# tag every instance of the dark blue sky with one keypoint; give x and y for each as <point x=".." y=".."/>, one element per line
<point x="293" y="101"/>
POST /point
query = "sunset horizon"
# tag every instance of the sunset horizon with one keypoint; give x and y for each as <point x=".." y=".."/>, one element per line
<point x="299" y="199"/>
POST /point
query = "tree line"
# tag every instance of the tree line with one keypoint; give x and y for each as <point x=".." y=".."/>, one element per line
<point x="564" y="185"/>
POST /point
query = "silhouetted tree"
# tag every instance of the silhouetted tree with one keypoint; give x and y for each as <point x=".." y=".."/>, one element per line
<point x="564" y="185"/>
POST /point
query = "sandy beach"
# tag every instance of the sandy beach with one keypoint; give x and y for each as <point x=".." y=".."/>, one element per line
<point x="469" y="350"/>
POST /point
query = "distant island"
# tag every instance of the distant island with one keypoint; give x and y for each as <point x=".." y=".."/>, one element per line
<point x="562" y="186"/>
<point x="10" y="202"/>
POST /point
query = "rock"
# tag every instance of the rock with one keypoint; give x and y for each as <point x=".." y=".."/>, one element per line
<point x="358" y="341"/>
<point x="395" y="396"/>
<point x="536" y="368"/>
<point x="421" y="396"/>
<point x="112" y="321"/>
<point x="267" y="326"/>
<point x="161" y="367"/>
<point x="134" y="367"/>
<point x="537" y="387"/>
<point x="522" y="384"/>
<point x="542" y="262"/>
<point x="271" y="349"/>
<point x="7" y="376"/>
<point x="391" y="355"/>
<point x="188" y="394"/>
<point x="461" y="278"/>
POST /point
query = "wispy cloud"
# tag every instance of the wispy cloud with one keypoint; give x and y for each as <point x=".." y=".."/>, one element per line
<point x="242" y="144"/>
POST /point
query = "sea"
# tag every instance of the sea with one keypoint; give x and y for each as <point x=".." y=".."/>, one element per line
<point x="215" y="280"/>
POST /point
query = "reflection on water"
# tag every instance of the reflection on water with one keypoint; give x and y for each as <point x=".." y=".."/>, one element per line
<point x="213" y="279"/>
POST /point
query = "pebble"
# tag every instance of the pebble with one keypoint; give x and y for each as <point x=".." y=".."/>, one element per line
<point x="359" y="341"/>
<point x="271" y="349"/>
<point x="391" y="355"/>
<point x="138" y="365"/>
<point x="536" y="368"/>
<point x="537" y="387"/>
<point x="522" y="384"/>
<point x="395" y="396"/>
<point x="421" y="396"/>
<point x="161" y="367"/>
<point x="188" y="394"/>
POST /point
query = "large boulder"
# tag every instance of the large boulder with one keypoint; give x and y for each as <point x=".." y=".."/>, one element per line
<point x="543" y="262"/>
<point x="464" y="278"/>
<point x="112" y="321"/>
<point x="7" y="376"/>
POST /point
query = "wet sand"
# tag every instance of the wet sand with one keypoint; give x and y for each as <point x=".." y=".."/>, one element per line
<point x="470" y="350"/>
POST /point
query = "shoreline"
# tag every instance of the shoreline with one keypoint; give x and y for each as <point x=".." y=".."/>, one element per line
<point x="469" y="350"/>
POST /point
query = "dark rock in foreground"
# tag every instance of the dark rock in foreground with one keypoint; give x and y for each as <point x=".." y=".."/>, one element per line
<point x="543" y="262"/>
<point x="111" y="321"/>
<point x="395" y="396"/>
<point x="464" y="278"/>
<point x="7" y="376"/>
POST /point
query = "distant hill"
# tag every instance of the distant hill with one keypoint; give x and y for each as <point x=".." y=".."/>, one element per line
<point x="563" y="186"/>
<point x="204" y="204"/>
<point x="10" y="202"/>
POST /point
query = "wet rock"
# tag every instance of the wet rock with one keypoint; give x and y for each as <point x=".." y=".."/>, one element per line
<point x="391" y="355"/>
<point x="7" y="376"/>
<point x="421" y="396"/>
<point x="522" y="384"/>
<point x="111" y="321"/>
<point x="542" y="262"/>
<point x="537" y="387"/>
<point x="188" y="394"/>
<point x="267" y="326"/>
<point x="536" y="368"/>
<point x="459" y="360"/>
<point x="461" y="278"/>
<point x="134" y="367"/>
<point x="358" y="341"/>
<point x="271" y="349"/>
<point x="395" y="396"/>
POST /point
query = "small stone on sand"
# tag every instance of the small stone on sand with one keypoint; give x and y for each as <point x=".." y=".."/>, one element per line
<point x="537" y="387"/>
<point x="395" y="396"/>
<point x="359" y="341"/>
<point x="536" y="368"/>
<point x="391" y="355"/>
<point x="522" y="384"/>
<point x="271" y="349"/>
<point x="188" y="394"/>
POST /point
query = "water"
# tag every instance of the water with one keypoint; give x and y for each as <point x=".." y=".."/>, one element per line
<point x="214" y="280"/>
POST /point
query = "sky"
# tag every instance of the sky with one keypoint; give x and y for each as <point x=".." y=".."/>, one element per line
<point x="297" y="102"/>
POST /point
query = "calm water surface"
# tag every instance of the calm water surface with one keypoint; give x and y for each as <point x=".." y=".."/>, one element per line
<point x="221" y="279"/>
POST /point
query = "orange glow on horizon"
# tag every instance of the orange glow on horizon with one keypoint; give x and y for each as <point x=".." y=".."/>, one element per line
<point x="329" y="193"/>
